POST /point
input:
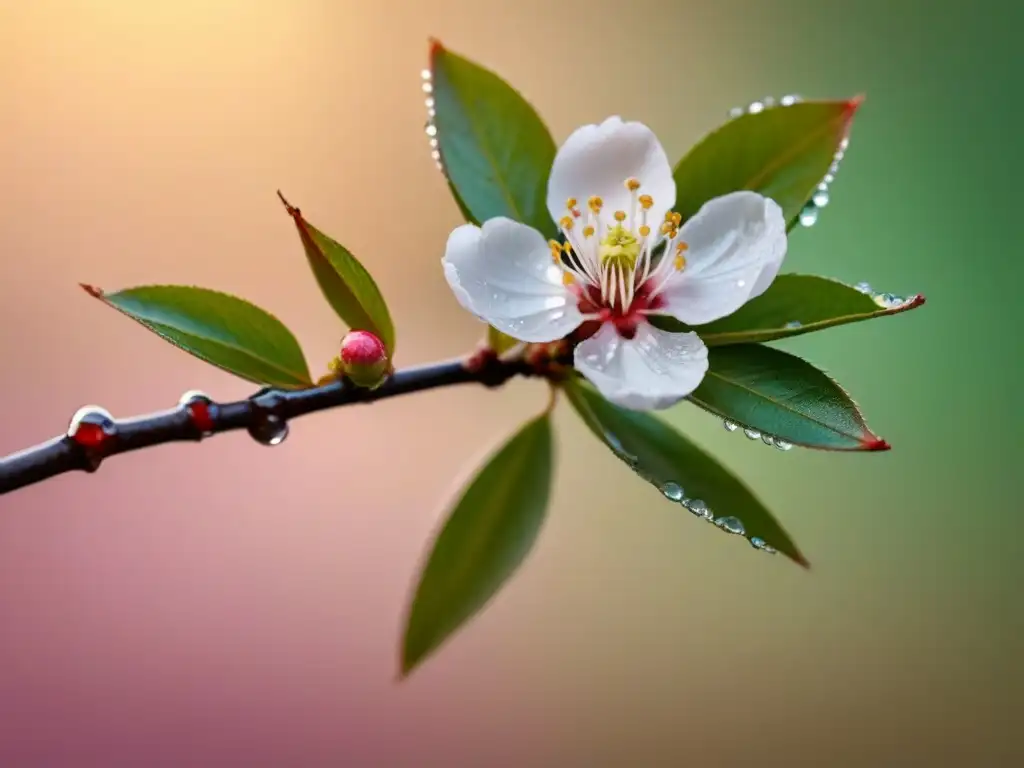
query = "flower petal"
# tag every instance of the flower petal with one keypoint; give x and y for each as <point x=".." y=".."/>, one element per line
<point x="503" y="273"/>
<point x="736" y="246"/>
<point x="597" y="160"/>
<point x="651" y="371"/>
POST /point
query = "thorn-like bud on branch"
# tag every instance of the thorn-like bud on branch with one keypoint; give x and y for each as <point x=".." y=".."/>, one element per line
<point x="364" y="360"/>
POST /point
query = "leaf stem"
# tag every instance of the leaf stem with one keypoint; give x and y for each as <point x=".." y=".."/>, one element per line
<point x="68" y="453"/>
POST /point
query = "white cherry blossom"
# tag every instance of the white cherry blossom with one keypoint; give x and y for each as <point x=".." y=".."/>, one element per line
<point x="626" y="257"/>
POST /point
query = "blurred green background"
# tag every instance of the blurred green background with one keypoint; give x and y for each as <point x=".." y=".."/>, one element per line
<point x="230" y="604"/>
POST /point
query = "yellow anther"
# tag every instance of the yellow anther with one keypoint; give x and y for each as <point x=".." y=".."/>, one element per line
<point x="567" y="279"/>
<point x="644" y="230"/>
<point x="620" y="215"/>
<point x="646" y="201"/>
<point x="632" y="184"/>
<point x="668" y="216"/>
<point x="677" y="219"/>
<point x="588" y="231"/>
<point x="681" y="246"/>
<point x="595" y="204"/>
<point x="570" y="203"/>
<point x="554" y="245"/>
<point x="679" y="263"/>
<point x="666" y="228"/>
<point x="567" y="247"/>
<point x="566" y="222"/>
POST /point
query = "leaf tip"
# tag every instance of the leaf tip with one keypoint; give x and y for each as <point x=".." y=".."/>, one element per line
<point x="436" y="46"/>
<point x="854" y="104"/>
<point x="292" y="210"/>
<point x="876" y="444"/>
<point x="92" y="290"/>
<point x="802" y="561"/>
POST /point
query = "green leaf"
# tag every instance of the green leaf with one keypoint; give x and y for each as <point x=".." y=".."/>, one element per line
<point x="221" y="329"/>
<point x="485" y="539"/>
<point x="345" y="283"/>
<point x="677" y="467"/>
<point x="781" y="152"/>
<point x="780" y="395"/>
<point x="495" y="149"/>
<point x="813" y="302"/>
<point x="498" y="341"/>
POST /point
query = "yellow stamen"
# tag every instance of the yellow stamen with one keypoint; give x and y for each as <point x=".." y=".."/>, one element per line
<point x="666" y="228"/>
<point x="566" y="222"/>
<point x="679" y="263"/>
<point x="620" y="215"/>
<point x="595" y="204"/>
<point x="632" y="184"/>
<point x="681" y="246"/>
<point x="677" y="219"/>
<point x="668" y="216"/>
<point x="570" y="203"/>
<point x="644" y="230"/>
<point x="588" y="231"/>
<point x="567" y="279"/>
<point x="646" y="201"/>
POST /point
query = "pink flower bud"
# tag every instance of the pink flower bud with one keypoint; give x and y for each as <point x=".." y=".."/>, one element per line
<point x="364" y="360"/>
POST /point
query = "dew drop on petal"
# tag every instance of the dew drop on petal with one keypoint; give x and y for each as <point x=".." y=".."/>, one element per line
<point x="820" y="198"/>
<point x="729" y="426"/>
<point x="782" y="445"/>
<point x="768" y="440"/>
<point x="752" y="434"/>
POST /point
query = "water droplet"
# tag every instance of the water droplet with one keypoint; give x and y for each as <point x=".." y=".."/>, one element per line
<point x="699" y="508"/>
<point x="268" y="425"/>
<point x="729" y="426"/>
<point x="735" y="111"/>
<point x="755" y="107"/>
<point x="429" y="102"/>
<point x="425" y="74"/>
<point x="829" y="178"/>
<point x="844" y="144"/>
<point x="433" y="143"/>
<point x="201" y="410"/>
<point x="741" y="283"/>
<point x="789" y="100"/>
<point x="768" y="440"/>
<point x="809" y="215"/>
<point x="731" y="525"/>
<point x="673" y="492"/>
<point x="752" y="434"/>
<point x="431" y="130"/>
<point x="834" y="168"/>
<point x="94" y="430"/>
<point x="820" y="198"/>
<point x="758" y="543"/>
<point x="889" y="300"/>
<point x="430" y="112"/>
<point x="782" y="445"/>
<point x="428" y="88"/>
<point x="436" y="155"/>
<point x="793" y="324"/>
<point x="863" y="287"/>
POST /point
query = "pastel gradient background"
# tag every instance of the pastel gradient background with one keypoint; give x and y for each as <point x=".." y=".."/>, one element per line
<point x="228" y="604"/>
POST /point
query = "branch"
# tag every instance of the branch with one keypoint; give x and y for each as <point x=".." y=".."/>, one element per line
<point x="94" y="435"/>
